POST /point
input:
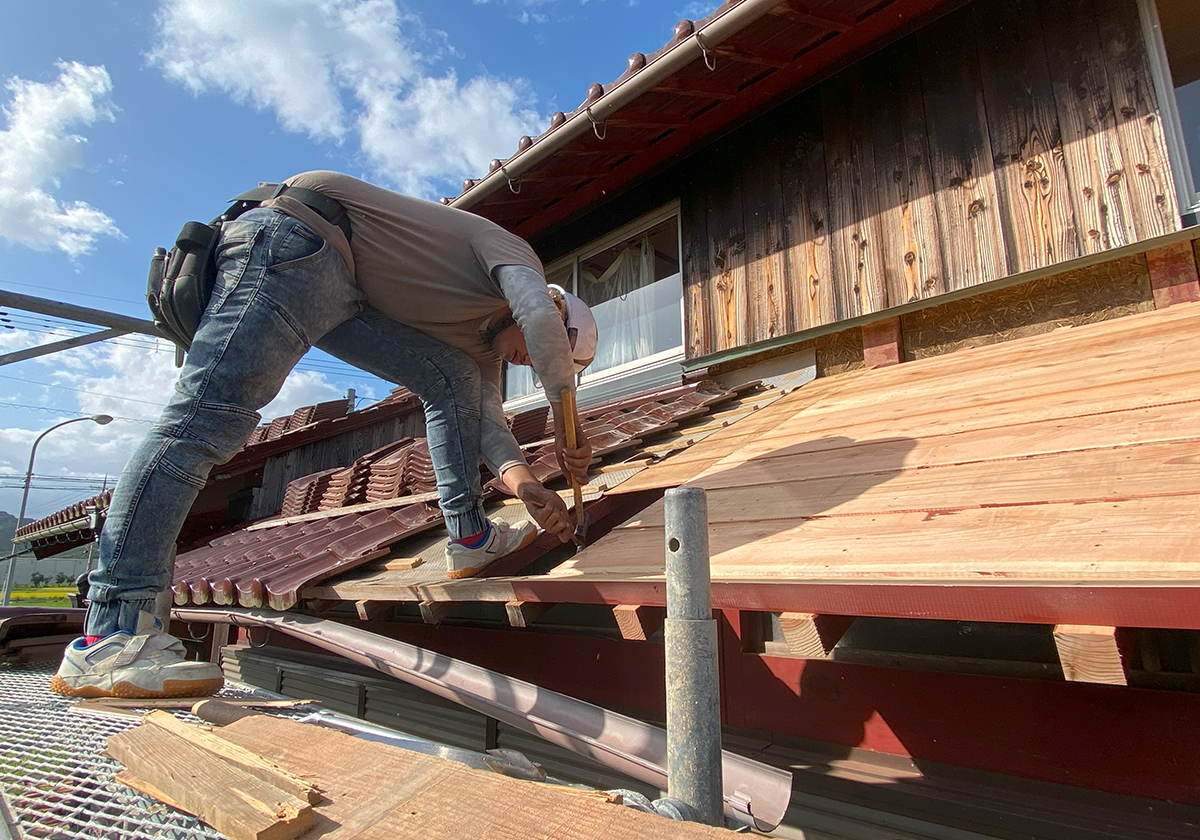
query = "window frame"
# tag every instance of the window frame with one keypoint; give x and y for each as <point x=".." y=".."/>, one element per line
<point x="614" y="237"/>
<point x="1168" y="107"/>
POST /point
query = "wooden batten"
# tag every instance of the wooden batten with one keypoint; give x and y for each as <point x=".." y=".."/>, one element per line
<point x="218" y="638"/>
<point x="1173" y="275"/>
<point x="434" y="612"/>
<point x="1091" y="654"/>
<point x="813" y="636"/>
<point x="524" y="613"/>
<point x="320" y="606"/>
<point x="637" y="622"/>
<point x="374" y="610"/>
<point x="882" y="343"/>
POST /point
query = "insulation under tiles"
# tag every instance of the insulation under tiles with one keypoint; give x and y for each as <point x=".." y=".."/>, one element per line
<point x="268" y="567"/>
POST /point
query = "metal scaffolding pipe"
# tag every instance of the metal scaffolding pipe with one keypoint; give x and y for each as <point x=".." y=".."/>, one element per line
<point x="71" y="312"/>
<point x="690" y="638"/>
<point x="55" y="346"/>
<point x="754" y="793"/>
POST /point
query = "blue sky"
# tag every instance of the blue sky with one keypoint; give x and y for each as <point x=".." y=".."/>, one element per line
<point x="122" y="120"/>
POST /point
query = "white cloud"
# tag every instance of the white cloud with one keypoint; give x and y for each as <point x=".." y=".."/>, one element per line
<point x="37" y="147"/>
<point x="336" y="69"/>
<point x="443" y="127"/>
<point x="697" y="10"/>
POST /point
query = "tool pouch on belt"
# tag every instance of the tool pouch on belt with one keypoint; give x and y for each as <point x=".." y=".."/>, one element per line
<point x="181" y="281"/>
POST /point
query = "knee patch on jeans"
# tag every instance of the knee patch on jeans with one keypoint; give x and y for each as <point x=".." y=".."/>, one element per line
<point x="214" y="434"/>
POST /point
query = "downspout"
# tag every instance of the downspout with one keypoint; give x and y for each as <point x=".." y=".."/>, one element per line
<point x="754" y="793"/>
<point x="694" y="46"/>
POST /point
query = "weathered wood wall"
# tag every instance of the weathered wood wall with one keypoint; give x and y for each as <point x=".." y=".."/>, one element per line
<point x="1003" y="138"/>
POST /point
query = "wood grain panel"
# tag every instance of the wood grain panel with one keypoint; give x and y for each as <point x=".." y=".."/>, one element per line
<point x="697" y="266"/>
<point x="1136" y="112"/>
<point x="809" y="251"/>
<point x="1068" y="456"/>
<point x="960" y="151"/>
<point x="857" y="235"/>
<point x="726" y="250"/>
<point x="767" y="289"/>
<point x="912" y="243"/>
<point x="771" y="490"/>
<point x="1099" y="192"/>
<point x="1031" y="178"/>
<point x="1142" y="539"/>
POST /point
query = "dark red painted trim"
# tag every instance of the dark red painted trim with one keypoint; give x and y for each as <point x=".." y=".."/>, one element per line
<point x="1173" y="275"/>
<point x="1126" y="741"/>
<point x="1134" y="604"/>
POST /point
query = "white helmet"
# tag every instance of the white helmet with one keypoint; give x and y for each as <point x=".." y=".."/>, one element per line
<point x="580" y="323"/>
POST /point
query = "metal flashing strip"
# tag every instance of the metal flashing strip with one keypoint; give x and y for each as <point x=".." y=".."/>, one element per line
<point x="754" y="793"/>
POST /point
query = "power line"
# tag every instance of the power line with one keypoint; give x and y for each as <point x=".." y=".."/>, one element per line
<point x="81" y="391"/>
<point x="40" y="287"/>
<point x="68" y="412"/>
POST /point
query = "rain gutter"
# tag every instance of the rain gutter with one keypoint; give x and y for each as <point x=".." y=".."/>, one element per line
<point x="705" y="39"/>
<point x="754" y="793"/>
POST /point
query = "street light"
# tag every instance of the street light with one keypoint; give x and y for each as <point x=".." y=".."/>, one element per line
<point x="103" y="420"/>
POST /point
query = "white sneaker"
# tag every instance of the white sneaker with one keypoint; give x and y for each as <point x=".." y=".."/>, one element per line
<point x="502" y="539"/>
<point x="148" y="663"/>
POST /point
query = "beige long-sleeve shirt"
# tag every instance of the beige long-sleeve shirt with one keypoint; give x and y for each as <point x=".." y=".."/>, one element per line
<point x="432" y="267"/>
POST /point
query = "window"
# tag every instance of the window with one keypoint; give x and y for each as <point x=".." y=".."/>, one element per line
<point x="1173" y="40"/>
<point x="632" y="282"/>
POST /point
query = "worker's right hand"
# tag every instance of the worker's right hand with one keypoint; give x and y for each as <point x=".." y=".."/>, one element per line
<point x="545" y="506"/>
<point x="548" y="510"/>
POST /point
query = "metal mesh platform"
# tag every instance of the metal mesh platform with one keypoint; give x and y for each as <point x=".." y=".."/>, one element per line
<point x="54" y="778"/>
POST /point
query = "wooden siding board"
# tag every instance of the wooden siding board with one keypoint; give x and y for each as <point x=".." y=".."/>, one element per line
<point x="857" y="235"/>
<point x="1031" y="177"/>
<point x="960" y="152"/>
<point x="1085" y="110"/>
<point x="809" y="251"/>
<point x="696" y="264"/>
<point x="1139" y="128"/>
<point x="727" y="249"/>
<point x="767" y="297"/>
<point x="912" y="254"/>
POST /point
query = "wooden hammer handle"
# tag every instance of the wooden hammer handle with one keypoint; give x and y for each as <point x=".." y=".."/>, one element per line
<point x="569" y="421"/>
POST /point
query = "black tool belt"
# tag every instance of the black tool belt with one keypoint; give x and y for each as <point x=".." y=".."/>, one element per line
<point x="181" y="280"/>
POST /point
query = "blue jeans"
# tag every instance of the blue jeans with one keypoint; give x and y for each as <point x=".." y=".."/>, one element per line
<point x="280" y="289"/>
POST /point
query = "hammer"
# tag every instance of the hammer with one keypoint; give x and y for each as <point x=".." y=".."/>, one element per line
<point x="581" y="517"/>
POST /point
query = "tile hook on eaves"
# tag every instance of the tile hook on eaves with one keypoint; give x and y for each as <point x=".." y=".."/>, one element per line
<point x="511" y="180"/>
<point x="596" y="125"/>
<point x="710" y="56"/>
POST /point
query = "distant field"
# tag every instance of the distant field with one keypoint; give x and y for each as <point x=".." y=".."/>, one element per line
<point x="42" y="596"/>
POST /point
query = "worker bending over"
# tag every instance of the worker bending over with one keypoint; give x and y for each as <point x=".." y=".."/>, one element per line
<point x="416" y="293"/>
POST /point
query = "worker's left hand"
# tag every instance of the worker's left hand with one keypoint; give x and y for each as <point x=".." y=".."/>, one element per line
<point x="574" y="462"/>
